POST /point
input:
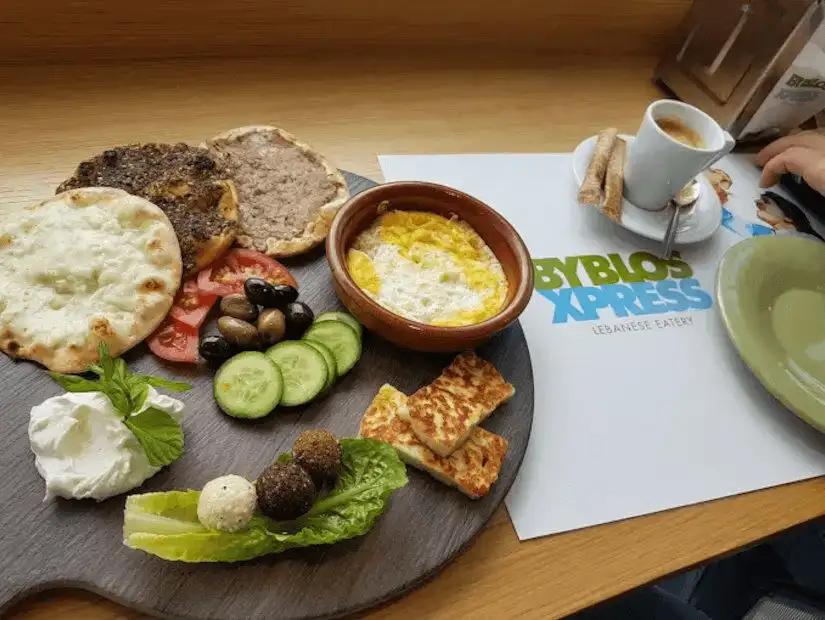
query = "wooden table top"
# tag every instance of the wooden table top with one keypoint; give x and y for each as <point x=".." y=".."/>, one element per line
<point x="352" y="110"/>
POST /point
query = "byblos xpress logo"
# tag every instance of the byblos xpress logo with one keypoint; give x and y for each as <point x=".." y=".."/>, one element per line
<point x="589" y="287"/>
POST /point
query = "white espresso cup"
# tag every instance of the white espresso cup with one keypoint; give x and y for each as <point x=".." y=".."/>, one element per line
<point x="658" y="165"/>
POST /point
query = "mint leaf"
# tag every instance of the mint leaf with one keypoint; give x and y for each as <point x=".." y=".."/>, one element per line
<point x="138" y="392"/>
<point x="120" y="382"/>
<point x="113" y="379"/>
<point x="73" y="383"/>
<point x="111" y="388"/>
<point x="165" y="384"/>
<point x="118" y="396"/>
<point x="107" y="363"/>
<point x="159" y="434"/>
<point x="121" y="372"/>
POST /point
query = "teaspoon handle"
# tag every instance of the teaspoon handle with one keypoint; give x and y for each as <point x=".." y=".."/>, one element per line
<point x="670" y="235"/>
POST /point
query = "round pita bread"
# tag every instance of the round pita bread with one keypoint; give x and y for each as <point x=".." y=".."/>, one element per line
<point x="87" y="266"/>
<point x="288" y="193"/>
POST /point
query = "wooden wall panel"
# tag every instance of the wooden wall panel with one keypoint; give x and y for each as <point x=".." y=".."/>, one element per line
<point x="34" y="31"/>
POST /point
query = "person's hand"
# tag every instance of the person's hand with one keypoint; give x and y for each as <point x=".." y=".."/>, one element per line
<point x="802" y="154"/>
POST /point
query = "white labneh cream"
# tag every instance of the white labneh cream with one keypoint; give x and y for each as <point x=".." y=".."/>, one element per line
<point x="84" y="450"/>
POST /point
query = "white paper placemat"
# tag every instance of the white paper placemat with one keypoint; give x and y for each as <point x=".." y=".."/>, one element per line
<point x="642" y="404"/>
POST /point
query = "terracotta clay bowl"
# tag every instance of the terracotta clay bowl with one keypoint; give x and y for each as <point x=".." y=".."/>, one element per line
<point x="359" y="213"/>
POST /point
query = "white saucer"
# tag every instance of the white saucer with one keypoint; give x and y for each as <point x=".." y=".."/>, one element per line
<point x="696" y="224"/>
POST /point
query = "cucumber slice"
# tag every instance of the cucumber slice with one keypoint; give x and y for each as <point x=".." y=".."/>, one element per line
<point x="343" y="317"/>
<point x="304" y="371"/>
<point x="339" y="338"/>
<point x="329" y="358"/>
<point x="248" y="385"/>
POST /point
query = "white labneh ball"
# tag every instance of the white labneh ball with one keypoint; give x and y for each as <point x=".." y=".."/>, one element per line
<point x="227" y="503"/>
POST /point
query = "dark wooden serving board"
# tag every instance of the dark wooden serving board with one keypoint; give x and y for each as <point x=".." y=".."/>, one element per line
<point x="79" y="543"/>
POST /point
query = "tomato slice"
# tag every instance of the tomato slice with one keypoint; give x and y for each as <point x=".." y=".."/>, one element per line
<point x="226" y="277"/>
<point x="175" y="341"/>
<point x="191" y="304"/>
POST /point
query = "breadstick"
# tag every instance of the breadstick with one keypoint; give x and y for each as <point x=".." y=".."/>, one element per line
<point x="590" y="192"/>
<point x="614" y="182"/>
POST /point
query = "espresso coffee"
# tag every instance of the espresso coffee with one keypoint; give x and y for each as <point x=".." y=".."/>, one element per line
<point x="679" y="131"/>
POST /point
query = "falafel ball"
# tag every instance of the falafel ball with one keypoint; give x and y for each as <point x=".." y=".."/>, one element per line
<point x="319" y="453"/>
<point x="285" y="491"/>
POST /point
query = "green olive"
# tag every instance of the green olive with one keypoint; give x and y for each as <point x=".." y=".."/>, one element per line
<point x="238" y="332"/>
<point x="240" y="307"/>
<point x="271" y="326"/>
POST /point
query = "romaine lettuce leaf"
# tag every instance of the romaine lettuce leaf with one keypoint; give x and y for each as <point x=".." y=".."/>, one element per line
<point x="166" y="524"/>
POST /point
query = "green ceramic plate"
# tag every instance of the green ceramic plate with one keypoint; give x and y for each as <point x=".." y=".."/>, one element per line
<point x="771" y="294"/>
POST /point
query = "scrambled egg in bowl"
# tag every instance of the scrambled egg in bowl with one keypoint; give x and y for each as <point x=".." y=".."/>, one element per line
<point x="428" y="268"/>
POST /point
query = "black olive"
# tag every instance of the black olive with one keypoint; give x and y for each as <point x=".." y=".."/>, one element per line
<point x="216" y="348"/>
<point x="284" y="294"/>
<point x="259" y="292"/>
<point x="299" y="317"/>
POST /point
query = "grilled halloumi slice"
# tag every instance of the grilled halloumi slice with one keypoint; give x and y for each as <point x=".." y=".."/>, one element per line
<point x="475" y="379"/>
<point x="472" y="469"/>
<point x="444" y="413"/>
